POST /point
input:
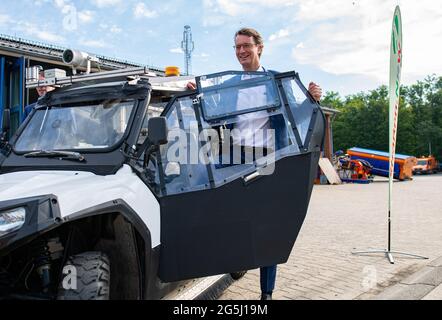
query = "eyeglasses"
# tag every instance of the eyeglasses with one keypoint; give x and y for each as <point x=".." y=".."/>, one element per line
<point x="246" y="46"/>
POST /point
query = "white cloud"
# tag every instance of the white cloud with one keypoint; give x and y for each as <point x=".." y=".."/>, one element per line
<point x="93" y="43"/>
<point x="237" y="7"/>
<point x="141" y="11"/>
<point x="283" y="33"/>
<point x="86" y="16"/>
<point x="202" y="55"/>
<point x="106" y="3"/>
<point x="343" y="37"/>
<point x="64" y="5"/>
<point x="316" y="10"/>
<point x="219" y="12"/>
<point x="41" y="2"/>
<point x="4" y="19"/>
<point x="110" y="28"/>
<point x="39" y="31"/>
<point x="115" y="29"/>
<point x="69" y="10"/>
<point x="59" y="3"/>
<point x="176" y="50"/>
<point x="346" y="38"/>
<point x="49" y="36"/>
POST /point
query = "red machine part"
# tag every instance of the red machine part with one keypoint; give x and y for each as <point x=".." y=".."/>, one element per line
<point x="356" y="169"/>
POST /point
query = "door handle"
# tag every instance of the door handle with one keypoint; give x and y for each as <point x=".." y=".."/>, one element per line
<point x="251" y="177"/>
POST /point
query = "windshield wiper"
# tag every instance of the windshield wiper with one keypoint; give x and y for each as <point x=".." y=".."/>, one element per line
<point x="65" y="155"/>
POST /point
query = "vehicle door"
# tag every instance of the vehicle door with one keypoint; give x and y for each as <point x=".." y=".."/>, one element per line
<point x="218" y="217"/>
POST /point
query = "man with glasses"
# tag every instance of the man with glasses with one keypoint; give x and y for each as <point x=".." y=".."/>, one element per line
<point x="248" y="47"/>
<point x="41" y="91"/>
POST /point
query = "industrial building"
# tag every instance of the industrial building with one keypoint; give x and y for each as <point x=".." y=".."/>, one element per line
<point x="17" y="54"/>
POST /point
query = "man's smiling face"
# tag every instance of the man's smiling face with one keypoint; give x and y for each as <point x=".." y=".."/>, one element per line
<point x="247" y="52"/>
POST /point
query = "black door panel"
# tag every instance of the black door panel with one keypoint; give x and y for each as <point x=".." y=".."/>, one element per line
<point x="237" y="226"/>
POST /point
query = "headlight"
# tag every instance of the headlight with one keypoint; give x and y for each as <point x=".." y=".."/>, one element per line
<point x="12" y="220"/>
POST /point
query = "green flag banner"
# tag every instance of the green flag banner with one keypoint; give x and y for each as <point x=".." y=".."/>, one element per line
<point x="394" y="89"/>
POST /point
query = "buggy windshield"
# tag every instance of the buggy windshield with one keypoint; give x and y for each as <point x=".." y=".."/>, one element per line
<point x="237" y="124"/>
<point x="76" y="126"/>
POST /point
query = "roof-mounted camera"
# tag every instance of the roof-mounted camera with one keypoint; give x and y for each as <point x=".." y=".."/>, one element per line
<point x="80" y="59"/>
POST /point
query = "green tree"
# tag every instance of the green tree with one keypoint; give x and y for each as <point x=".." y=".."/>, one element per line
<point x="363" y="119"/>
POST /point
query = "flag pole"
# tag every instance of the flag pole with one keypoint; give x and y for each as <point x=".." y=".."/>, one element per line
<point x="394" y="94"/>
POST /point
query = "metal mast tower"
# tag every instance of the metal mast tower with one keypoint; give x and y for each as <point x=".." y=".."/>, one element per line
<point x="188" y="46"/>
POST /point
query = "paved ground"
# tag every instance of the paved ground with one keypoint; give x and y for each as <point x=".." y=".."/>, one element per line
<point x="426" y="284"/>
<point x="354" y="217"/>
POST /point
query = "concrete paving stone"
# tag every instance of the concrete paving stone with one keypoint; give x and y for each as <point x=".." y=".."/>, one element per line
<point x="330" y="296"/>
<point x="286" y="277"/>
<point x="285" y="290"/>
<point x="342" y="271"/>
<point x="342" y="286"/>
<point x="254" y="290"/>
<point x="405" y="292"/>
<point x="289" y="283"/>
<point x="329" y="273"/>
<point x="435" y="294"/>
<point x="319" y="289"/>
<point x="324" y="278"/>
<point x="313" y="295"/>
<point x="297" y="290"/>
<point x="333" y="229"/>
<point x="357" y="288"/>
<point x="436" y="263"/>
<point x="314" y="291"/>
<point x="334" y="288"/>
<point x="293" y="293"/>
<point x="338" y="278"/>
<point x="428" y="275"/>
<point x="345" y="286"/>
<point x="295" y="274"/>
<point x="353" y="279"/>
<point x="350" y="295"/>
<point x="308" y="276"/>
<point x="318" y="270"/>
<point x="295" y="284"/>
<point x="233" y="290"/>
<point x="249" y="282"/>
<point x="304" y="283"/>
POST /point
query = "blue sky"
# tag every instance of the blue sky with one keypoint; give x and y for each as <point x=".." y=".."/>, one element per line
<point x="341" y="44"/>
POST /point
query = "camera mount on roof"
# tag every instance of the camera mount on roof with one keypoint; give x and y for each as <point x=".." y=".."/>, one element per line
<point x="78" y="59"/>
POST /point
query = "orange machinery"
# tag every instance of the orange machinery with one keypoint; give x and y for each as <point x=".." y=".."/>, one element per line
<point x="403" y="164"/>
<point x="426" y="165"/>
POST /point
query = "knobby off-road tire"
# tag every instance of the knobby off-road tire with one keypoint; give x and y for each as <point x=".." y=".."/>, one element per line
<point x="93" y="277"/>
<point x="238" y="275"/>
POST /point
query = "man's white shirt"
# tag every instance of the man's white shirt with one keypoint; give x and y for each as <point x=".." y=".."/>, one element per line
<point x="251" y="130"/>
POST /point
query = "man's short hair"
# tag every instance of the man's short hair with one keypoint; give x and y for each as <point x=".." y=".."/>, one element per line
<point x="250" y="32"/>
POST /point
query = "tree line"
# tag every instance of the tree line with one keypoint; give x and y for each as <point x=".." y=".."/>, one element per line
<point x="363" y="119"/>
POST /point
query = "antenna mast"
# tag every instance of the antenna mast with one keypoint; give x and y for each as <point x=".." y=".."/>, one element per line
<point x="188" y="46"/>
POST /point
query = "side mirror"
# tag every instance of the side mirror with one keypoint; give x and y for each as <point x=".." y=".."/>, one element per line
<point x="157" y="131"/>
